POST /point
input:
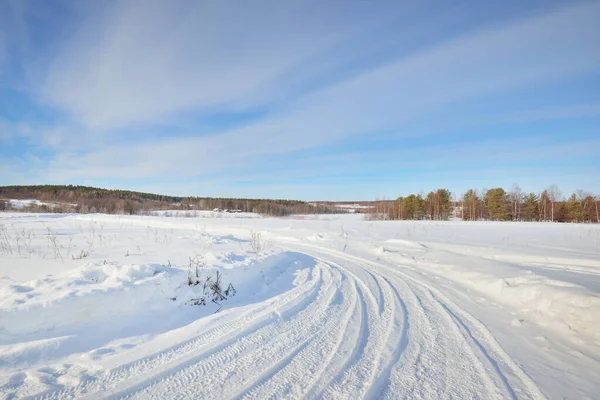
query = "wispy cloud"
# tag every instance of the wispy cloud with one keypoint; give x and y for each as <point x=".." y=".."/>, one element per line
<point x="139" y="62"/>
<point x="570" y="111"/>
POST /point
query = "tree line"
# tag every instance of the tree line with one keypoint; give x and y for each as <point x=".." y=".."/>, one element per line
<point x="494" y="204"/>
<point x="85" y="199"/>
<point x="498" y="204"/>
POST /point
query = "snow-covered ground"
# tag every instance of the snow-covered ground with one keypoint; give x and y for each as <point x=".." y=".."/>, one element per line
<point x="99" y="306"/>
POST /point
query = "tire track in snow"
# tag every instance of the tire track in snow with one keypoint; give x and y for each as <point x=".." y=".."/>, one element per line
<point x="441" y="363"/>
<point x="357" y="378"/>
<point x="492" y="351"/>
<point x="349" y="350"/>
<point x="137" y="372"/>
<point x="376" y="390"/>
<point x="468" y="335"/>
<point x="483" y="380"/>
<point x="233" y="366"/>
<point x="429" y="352"/>
<point x="356" y="329"/>
<point x="301" y="373"/>
<point x="513" y="379"/>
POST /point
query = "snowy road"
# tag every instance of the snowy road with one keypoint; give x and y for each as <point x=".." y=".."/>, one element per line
<point x="352" y="329"/>
<point x="350" y="326"/>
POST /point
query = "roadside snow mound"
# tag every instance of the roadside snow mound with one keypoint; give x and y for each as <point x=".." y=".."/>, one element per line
<point x="114" y="275"/>
<point x="550" y="303"/>
<point x="90" y="296"/>
<point x="97" y="300"/>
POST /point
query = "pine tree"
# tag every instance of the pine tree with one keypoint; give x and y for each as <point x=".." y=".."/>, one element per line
<point x="414" y="207"/>
<point x="531" y="207"/>
<point x="497" y="204"/>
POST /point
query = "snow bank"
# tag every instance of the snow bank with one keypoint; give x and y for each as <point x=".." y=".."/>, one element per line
<point x="567" y="307"/>
<point x="555" y="292"/>
<point x="82" y="308"/>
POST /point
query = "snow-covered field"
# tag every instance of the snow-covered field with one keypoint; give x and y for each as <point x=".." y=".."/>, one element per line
<point x="99" y="306"/>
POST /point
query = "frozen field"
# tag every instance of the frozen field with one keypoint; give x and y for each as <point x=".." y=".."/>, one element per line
<point x="100" y="306"/>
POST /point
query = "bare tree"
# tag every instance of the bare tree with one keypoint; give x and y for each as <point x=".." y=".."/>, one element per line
<point x="597" y="200"/>
<point x="482" y="194"/>
<point x="543" y="200"/>
<point x="554" y="196"/>
<point x="516" y="196"/>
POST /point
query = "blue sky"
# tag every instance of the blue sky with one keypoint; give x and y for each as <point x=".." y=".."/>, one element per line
<point x="338" y="100"/>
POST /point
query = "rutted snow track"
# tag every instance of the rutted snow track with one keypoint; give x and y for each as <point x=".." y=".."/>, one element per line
<point x="320" y="316"/>
<point x="420" y="344"/>
<point x="355" y="329"/>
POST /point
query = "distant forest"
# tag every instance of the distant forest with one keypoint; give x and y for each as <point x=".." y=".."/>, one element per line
<point x="494" y="204"/>
<point x="84" y="199"/>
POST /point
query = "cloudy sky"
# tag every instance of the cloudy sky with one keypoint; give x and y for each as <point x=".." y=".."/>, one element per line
<point x="300" y="99"/>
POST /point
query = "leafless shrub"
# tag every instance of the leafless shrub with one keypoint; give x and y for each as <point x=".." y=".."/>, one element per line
<point x="196" y="302"/>
<point x="82" y="255"/>
<point x="90" y="242"/>
<point x="211" y="288"/>
<point x="194" y="267"/>
<point x="256" y="242"/>
<point x="18" y="241"/>
<point x="191" y="280"/>
<point x="54" y="244"/>
<point x="26" y="237"/>
<point x="5" y="246"/>
<point x="70" y="246"/>
<point x="207" y="284"/>
<point x="216" y="289"/>
<point x="230" y="291"/>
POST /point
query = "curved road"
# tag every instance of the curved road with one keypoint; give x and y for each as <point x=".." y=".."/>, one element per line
<point x="352" y="329"/>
